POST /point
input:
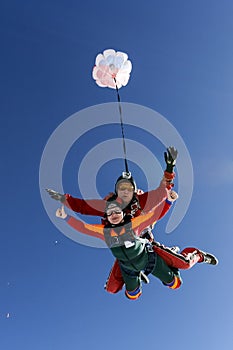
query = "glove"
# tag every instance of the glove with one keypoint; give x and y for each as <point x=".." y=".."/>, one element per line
<point x="56" y="195"/>
<point x="170" y="158"/>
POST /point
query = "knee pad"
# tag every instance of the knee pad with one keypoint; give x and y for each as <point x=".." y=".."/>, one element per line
<point x="133" y="294"/>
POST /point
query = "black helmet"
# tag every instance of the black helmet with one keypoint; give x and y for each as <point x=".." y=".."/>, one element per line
<point x="126" y="177"/>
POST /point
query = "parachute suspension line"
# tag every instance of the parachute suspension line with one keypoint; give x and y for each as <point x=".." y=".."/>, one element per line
<point x="122" y="128"/>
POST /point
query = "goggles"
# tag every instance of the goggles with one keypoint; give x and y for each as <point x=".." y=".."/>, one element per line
<point x="125" y="186"/>
<point x="113" y="211"/>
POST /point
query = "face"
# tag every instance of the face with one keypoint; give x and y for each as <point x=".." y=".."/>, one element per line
<point x="125" y="191"/>
<point x="114" y="215"/>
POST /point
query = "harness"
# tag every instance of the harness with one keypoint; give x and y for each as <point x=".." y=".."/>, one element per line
<point x="134" y="207"/>
<point x="118" y="236"/>
<point x="152" y="259"/>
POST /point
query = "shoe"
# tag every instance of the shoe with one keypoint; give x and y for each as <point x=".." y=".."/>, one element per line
<point x="209" y="258"/>
<point x="175" y="284"/>
<point x="144" y="278"/>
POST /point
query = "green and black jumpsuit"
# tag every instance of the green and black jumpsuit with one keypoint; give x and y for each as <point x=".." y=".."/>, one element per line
<point x="133" y="252"/>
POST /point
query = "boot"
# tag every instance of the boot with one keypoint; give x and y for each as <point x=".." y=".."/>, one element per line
<point x="209" y="258"/>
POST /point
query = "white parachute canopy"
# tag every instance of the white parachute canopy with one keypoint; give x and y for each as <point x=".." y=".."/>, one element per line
<point x="112" y="69"/>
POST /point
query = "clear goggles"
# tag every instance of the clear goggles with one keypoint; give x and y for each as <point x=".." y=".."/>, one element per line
<point x="117" y="211"/>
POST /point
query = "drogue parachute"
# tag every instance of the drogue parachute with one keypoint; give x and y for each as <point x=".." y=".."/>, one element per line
<point x="112" y="69"/>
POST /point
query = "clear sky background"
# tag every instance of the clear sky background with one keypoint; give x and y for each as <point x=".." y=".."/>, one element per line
<point x="51" y="288"/>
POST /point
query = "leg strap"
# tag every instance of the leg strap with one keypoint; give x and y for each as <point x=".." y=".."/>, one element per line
<point x="151" y="259"/>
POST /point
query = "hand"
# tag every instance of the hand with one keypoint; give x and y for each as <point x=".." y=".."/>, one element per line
<point x="60" y="213"/>
<point x="172" y="196"/>
<point x="139" y="192"/>
<point x="56" y="195"/>
<point x="170" y="158"/>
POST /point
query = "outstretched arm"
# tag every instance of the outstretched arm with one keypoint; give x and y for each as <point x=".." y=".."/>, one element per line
<point x="141" y="222"/>
<point x="151" y="199"/>
<point x="171" y="198"/>
<point x="93" y="207"/>
<point x="90" y="230"/>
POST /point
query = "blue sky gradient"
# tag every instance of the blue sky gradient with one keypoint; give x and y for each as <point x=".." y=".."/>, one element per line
<point x="51" y="288"/>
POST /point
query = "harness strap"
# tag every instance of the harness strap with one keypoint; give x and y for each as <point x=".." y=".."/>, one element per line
<point x="152" y="257"/>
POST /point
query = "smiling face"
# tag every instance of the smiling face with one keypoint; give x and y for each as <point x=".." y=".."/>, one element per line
<point x="125" y="191"/>
<point x="114" y="214"/>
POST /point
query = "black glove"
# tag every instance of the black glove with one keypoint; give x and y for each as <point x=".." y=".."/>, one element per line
<point x="170" y="158"/>
<point x="56" y="195"/>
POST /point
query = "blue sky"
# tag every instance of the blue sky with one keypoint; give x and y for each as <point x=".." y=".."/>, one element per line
<point x="51" y="286"/>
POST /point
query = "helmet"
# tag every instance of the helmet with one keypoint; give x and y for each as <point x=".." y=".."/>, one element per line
<point x="114" y="203"/>
<point x="126" y="177"/>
